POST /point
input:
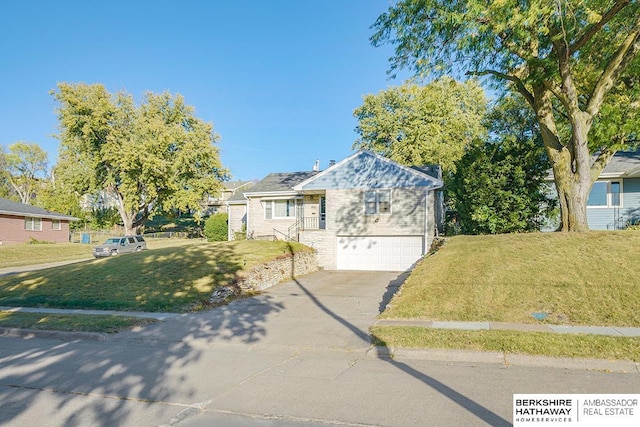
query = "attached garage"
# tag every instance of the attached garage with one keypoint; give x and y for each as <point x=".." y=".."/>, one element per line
<point x="382" y="253"/>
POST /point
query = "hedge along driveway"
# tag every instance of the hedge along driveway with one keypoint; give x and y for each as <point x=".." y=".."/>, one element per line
<point x="174" y="279"/>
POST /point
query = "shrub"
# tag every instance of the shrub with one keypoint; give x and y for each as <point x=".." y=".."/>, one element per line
<point x="216" y="227"/>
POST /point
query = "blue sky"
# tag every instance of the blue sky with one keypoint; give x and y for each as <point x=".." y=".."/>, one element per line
<point x="279" y="79"/>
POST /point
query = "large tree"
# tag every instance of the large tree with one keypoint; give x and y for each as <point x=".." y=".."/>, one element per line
<point x="499" y="185"/>
<point x="26" y="166"/>
<point x="419" y="125"/>
<point x="153" y="157"/>
<point x="575" y="62"/>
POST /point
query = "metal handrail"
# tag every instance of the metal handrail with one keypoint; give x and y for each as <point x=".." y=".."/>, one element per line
<point x="276" y="232"/>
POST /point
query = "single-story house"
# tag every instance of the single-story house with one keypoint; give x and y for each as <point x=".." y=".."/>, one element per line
<point x="19" y="223"/>
<point x="365" y="212"/>
<point x="614" y="201"/>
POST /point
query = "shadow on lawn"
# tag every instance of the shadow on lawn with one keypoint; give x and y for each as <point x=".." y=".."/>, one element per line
<point x="102" y="383"/>
<point x="169" y="279"/>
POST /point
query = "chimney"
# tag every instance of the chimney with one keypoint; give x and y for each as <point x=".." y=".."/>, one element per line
<point x="332" y="162"/>
<point x="316" y="166"/>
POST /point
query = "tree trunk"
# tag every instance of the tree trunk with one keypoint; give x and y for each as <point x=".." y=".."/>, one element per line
<point x="571" y="163"/>
<point x="573" y="194"/>
<point x="127" y="218"/>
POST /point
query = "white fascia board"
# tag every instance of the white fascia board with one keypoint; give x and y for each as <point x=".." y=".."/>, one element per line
<point x="611" y="175"/>
<point x="274" y="194"/>
<point x="38" y="215"/>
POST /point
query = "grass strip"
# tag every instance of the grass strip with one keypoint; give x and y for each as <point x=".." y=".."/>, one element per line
<point x="71" y="322"/>
<point x="515" y="342"/>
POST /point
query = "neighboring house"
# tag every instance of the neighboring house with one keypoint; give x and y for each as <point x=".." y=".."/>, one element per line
<point x="215" y="204"/>
<point x="614" y="201"/>
<point x="19" y="223"/>
<point x="363" y="213"/>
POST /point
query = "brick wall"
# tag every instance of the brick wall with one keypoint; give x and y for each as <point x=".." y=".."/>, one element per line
<point x="258" y="226"/>
<point x="12" y="230"/>
<point x="237" y="217"/>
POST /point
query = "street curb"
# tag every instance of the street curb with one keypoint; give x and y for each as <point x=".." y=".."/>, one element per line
<point x="58" y="335"/>
<point x="504" y="359"/>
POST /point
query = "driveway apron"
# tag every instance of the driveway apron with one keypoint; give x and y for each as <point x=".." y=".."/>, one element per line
<point x="326" y="309"/>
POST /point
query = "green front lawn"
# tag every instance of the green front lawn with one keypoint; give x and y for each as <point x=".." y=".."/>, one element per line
<point x="175" y="279"/>
<point x="589" y="279"/>
<point x="576" y="279"/>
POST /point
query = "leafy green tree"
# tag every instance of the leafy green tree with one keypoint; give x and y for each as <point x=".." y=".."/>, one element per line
<point x="216" y="227"/>
<point x="26" y="167"/>
<point x="419" y="125"/>
<point x="153" y="157"/>
<point x="5" y="185"/>
<point x="575" y="62"/>
<point x="499" y="183"/>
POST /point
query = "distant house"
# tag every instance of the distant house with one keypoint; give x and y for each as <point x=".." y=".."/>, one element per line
<point x="19" y="223"/>
<point x="363" y="213"/>
<point x="614" y="201"/>
<point x="215" y="204"/>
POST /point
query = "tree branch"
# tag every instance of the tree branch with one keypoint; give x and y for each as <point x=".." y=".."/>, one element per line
<point x="520" y="87"/>
<point x="623" y="56"/>
<point x="594" y="28"/>
<point x="600" y="162"/>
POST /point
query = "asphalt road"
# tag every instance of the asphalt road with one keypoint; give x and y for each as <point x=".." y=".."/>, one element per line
<point x="299" y="354"/>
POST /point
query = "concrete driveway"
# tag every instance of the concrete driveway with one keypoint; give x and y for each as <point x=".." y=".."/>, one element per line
<point x="322" y="310"/>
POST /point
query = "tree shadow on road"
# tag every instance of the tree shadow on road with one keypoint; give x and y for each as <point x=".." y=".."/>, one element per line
<point x="138" y="367"/>
<point x="468" y="404"/>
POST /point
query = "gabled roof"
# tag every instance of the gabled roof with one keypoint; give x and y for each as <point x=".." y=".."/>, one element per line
<point x="279" y="182"/>
<point x="366" y="169"/>
<point x="9" y="207"/>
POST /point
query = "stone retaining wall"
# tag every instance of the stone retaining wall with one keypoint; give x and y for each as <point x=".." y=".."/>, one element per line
<point x="278" y="270"/>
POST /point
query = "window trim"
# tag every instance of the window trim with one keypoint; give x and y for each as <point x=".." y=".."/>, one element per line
<point x="377" y="193"/>
<point x="271" y="203"/>
<point x="56" y="225"/>
<point x="32" y="221"/>
<point x="609" y="204"/>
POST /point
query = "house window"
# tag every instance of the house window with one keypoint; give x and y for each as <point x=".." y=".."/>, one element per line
<point x="56" y="224"/>
<point x="274" y="209"/>
<point x="605" y="194"/>
<point x="33" y="224"/>
<point x="377" y="202"/>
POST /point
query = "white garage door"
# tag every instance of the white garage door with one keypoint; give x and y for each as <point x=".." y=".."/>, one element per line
<point x="384" y="253"/>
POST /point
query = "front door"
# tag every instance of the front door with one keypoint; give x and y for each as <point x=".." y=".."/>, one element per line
<point x="323" y="212"/>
